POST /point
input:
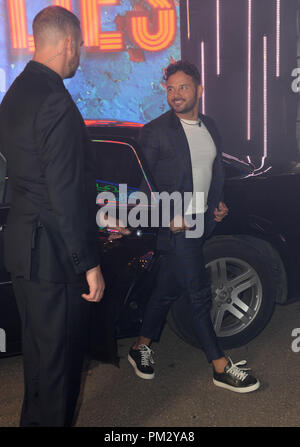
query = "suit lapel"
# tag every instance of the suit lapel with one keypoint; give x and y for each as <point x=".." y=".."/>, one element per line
<point x="181" y="147"/>
<point x="212" y="130"/>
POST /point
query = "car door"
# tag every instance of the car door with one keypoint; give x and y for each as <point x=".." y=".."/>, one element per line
<point x="127" y="263"/>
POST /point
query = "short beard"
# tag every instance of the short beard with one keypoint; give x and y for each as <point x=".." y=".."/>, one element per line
<point x="188" y="108"/>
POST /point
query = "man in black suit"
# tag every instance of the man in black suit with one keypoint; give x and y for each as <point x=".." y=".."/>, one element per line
<point x="182" y="148"/>
<point x="50" y="239"/>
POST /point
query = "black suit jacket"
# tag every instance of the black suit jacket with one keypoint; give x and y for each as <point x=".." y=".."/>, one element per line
<point x="51" y="227"/>
<point x="166" y="150"/>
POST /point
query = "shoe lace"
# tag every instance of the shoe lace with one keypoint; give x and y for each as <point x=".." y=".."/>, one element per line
<point x="146" y="355"/>
<point x="236" y="370"/>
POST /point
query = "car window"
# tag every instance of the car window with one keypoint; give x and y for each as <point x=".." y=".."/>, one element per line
<point x="117" y="163"/>
<point x="235" y="168"/>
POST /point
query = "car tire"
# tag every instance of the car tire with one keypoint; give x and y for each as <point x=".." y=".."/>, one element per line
<point x="248" y="278"/>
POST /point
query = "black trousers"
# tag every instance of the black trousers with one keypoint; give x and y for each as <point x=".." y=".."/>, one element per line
<point x="54" y="328"/>
<point x="182" y="271"/>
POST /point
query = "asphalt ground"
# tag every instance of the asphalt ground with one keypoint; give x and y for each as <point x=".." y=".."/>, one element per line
<point x="182" y="393"/>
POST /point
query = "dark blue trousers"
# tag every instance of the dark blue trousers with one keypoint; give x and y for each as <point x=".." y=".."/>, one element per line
<point x="182" y="271"/>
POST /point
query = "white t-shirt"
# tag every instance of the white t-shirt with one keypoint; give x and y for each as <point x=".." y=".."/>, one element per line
<point x="203" y="153"/>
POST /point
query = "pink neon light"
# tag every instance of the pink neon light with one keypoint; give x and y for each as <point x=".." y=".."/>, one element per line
<point x="265" y="102"/>
<point x="278" y="36"/>
<point x="203" y="77"/>
<point x="265" y="97"/>
<point x="249" y="75"/>
<point x="188" y="19"/>
<point x="218" y="37"/>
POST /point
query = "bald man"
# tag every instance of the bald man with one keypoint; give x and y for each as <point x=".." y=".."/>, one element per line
<point x="50" y="239"/>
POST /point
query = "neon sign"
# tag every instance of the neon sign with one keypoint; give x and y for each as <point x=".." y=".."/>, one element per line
<point x="150" y="30"/>
<point x="166" y="28"/>
<point x="127" y="44"/>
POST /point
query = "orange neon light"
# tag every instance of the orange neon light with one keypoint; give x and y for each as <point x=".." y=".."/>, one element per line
<point x="165" y="4"/>
<point x="93" y="37"/>
<point x="67" y="4"/>
<point x="108" y="2"/>
<point x="113" y="123"/>
<point x="165" y="27"/>
<point x="148" y="34"/>
<point x="18" y="23"/>
<point x="89" y="15"/>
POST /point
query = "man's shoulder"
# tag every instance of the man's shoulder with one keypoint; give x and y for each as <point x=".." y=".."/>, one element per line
<point x="43" y="92"/>
<point x="209" y="122"/>
<point x="169" y="119"/>
<point x="36" y="85"/>
<point x="207" y="119"/>
<point x="162" y="121"/>
<point x="212" y="127"/>
<point x="32" y="97"/>
<point x="44" y="84"/>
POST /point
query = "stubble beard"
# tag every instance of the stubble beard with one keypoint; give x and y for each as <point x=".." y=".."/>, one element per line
<point x="185" y="108"/>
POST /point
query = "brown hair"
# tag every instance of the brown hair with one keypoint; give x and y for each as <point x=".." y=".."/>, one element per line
<point x="187" y="67"/>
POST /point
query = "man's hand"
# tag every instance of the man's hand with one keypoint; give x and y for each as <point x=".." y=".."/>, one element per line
<point x="116" y="226"/>
<point x="96" y="284"/>
<point x="178" y="225"/>
<point x="118" y="231"/>
<point x="221" y="212"/>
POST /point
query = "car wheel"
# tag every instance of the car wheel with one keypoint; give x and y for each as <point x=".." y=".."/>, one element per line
<point x="247" y="278"/>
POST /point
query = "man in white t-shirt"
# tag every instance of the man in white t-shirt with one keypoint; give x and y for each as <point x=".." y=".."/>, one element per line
<point x="182" y="149"/>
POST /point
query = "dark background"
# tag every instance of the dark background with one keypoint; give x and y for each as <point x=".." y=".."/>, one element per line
<point x="226" y="95"/>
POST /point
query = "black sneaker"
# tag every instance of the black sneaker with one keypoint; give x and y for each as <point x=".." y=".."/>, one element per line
<point x="236" y="379"/>
<point x="141" y="359"/>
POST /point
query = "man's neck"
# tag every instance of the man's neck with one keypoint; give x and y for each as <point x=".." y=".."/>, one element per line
<point x="50" y="62"/>
<point x="190" y="116"/>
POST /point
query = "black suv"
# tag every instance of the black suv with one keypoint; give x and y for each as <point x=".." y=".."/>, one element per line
<point x="252" y="256"/>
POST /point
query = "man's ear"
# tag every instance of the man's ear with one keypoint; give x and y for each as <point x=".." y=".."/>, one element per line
<point x="200" y="91"/>
<point x="68" y="44"/>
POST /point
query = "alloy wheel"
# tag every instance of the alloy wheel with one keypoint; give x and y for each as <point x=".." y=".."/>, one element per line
<point x="237" y="295"/>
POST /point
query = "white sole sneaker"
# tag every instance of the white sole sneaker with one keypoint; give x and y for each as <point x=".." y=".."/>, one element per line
<point x="138" y="372"/>
<point x="247" y="389"/>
